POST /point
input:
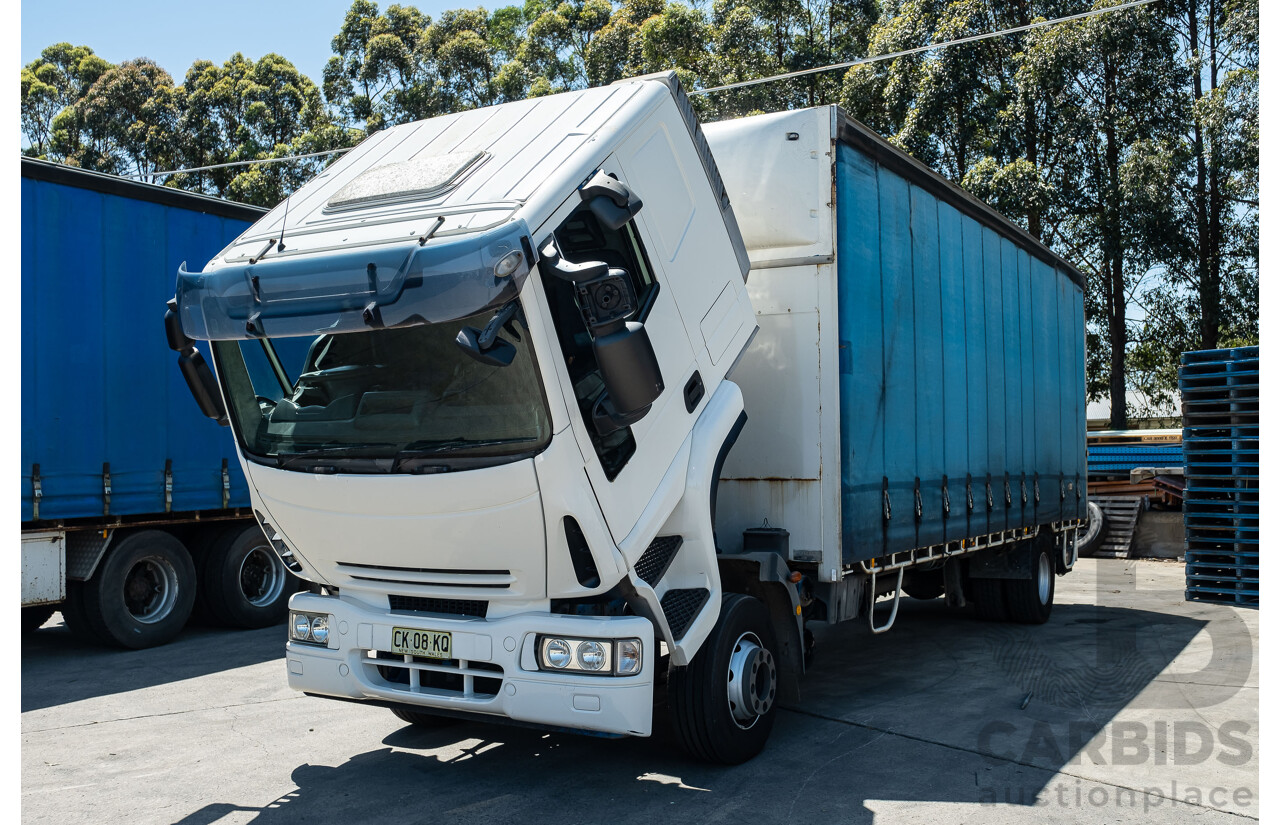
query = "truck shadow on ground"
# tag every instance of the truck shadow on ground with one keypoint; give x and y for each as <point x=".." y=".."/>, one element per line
<point x="957" y="711"/>
<point x="58" y="668"/>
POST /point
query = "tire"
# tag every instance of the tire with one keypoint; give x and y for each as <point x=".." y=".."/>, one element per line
<point x="34" y="617"/>
<point x="1031" y="600"/>
<point x="76" y="617"/>
<point x="1094" y="532"/>
<point x="924" y="585"/>
<point x="142" y="594"/>
<point x="719" y="716"/>
<point x="422" y="719"/>
<point x="243" y="582"/>
<point x="989" y="599"/>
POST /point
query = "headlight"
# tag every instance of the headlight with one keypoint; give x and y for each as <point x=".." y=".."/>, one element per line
<point x="557" y="653"/>
<point x="596" y="657"/>
<point x="320" y="629"/>
<point x="591" y="655"/>
<point x="301" y="627"/>
<point x="311" y="628"/>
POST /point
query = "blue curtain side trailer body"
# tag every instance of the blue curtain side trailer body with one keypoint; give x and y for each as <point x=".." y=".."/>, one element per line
<point x="961" y="362"/>
<point x="114" y="450"/>
<point x="100" y="393"/>
<point x="915" y="390"/>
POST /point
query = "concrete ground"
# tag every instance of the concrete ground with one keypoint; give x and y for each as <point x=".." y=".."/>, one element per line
<point x="1130" y="704"/>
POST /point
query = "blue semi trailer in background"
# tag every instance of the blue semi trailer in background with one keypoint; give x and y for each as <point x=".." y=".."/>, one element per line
<point x="134" y="507"/>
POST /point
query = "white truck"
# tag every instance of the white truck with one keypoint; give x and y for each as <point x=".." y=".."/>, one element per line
<point x="484" y="374"/>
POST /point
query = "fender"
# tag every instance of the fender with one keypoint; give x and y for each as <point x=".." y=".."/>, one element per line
<point x="685" y="496"/>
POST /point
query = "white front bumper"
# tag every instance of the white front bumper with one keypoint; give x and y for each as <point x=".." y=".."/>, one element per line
<point x="346" y="668"/>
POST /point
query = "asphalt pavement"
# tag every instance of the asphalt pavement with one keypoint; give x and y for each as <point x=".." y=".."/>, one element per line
<point x="1131" y="704"/>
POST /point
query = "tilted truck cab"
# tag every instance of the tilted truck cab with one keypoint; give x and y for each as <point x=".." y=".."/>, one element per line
<point x="479" y="375"/>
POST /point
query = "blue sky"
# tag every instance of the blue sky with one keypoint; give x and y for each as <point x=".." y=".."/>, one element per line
<point x="175" y="35"/>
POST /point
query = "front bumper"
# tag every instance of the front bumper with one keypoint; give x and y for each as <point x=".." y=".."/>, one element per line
<point x="494" y="673"/>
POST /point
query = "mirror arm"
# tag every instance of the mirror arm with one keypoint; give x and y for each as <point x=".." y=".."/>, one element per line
<point x="565" y="270"/>
<point x="495" y="325"/>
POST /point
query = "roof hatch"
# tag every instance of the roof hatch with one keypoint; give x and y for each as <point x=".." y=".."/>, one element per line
<point x="416" y="179"/>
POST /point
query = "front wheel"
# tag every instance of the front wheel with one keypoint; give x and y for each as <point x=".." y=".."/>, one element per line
<point x="724" y="703"/>
<point x="422" y="719"/>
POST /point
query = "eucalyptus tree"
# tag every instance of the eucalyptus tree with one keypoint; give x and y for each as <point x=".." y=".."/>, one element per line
<point x="60" y="77"/>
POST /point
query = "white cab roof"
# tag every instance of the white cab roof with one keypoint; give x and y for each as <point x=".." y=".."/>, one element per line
<point x="476" y="169"/>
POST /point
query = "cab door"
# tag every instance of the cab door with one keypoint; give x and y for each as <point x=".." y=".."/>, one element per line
<point x="625" y="467"/>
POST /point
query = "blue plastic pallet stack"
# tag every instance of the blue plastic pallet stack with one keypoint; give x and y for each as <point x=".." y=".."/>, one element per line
<point x="1220" y="438"/>
<point x="1119" y="459"/>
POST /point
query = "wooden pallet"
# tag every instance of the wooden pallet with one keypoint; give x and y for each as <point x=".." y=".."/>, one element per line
<point x="1122" y="519"/>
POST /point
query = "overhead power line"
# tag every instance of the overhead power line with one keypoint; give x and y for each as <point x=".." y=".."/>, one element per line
<point x="241" y="163"/>
<point x="862" y="61"/>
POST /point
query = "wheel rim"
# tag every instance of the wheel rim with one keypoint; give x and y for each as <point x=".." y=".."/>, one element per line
<point x="151" y="589"/>
<point x="1093" y="523"/>
<point x="753" y="680"/>
<point x="261" y="576"/>
<point x="1044" y="578"/>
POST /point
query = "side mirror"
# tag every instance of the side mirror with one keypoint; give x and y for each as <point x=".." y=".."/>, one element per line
<point x="200" y="380"/>
<point x="631" y="375"/>
<point x="610" y="200"/>
<point x="486" y="346"/>
<point x="498" y="354"/>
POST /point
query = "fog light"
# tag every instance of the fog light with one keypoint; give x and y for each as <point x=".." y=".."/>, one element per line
<point x="628" y="658"/>
<point x="320" y="629"/>
<point x="591" y="655"/>
<point x="557" y="653"/>
<point x="301" y="627"/>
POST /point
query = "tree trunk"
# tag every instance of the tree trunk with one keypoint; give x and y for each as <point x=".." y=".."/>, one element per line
<point x="1113" y="256"/>
<point x="1205" y="248"/>
<point x="1211" y="286"/>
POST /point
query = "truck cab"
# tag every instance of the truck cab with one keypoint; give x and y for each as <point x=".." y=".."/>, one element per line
<point x="476" y="373"/>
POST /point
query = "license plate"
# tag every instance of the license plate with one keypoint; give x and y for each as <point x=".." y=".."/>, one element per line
<point x="433" y="644"/>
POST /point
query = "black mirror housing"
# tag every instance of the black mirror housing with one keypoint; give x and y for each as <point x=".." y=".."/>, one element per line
<point x="610" y="200"/>
<point x="203" y="386"/>
<point x="498" y="354"/>
<point x="631" y="375"/>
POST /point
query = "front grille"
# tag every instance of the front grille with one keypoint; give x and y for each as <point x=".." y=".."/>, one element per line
<point x="453" y="607"/>
<point x="441" y="677"/>
<point x="681" y="607"/>
<point x="427" y="576"/>
<point x="657" y="558"/>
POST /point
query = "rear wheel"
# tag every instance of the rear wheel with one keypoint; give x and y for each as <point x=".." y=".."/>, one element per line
<point x="924" y="585"/>
<point x="989" y="599"/>
<point x="243" y="582"/>
<point x="1095" y="530"/>
<point x="724" y="703"/>
<point x="77" y="618"/>
<point x="1031" y="600"/>
<point x="422" y="719"/>
<point x="143" y="593"/>
<point x="34" y="617"/>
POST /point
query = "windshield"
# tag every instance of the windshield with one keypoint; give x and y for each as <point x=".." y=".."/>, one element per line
<point x="391" y="400"/>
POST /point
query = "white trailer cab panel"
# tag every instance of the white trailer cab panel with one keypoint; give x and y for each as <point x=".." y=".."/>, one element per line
<point x="786" y="465"/>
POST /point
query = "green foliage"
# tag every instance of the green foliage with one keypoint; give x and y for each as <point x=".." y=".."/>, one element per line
<point x="1127" y="142"/>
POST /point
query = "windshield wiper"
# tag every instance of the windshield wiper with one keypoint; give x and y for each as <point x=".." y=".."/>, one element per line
<point x="427" y="449"/>
<point x="345" y="451"/>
